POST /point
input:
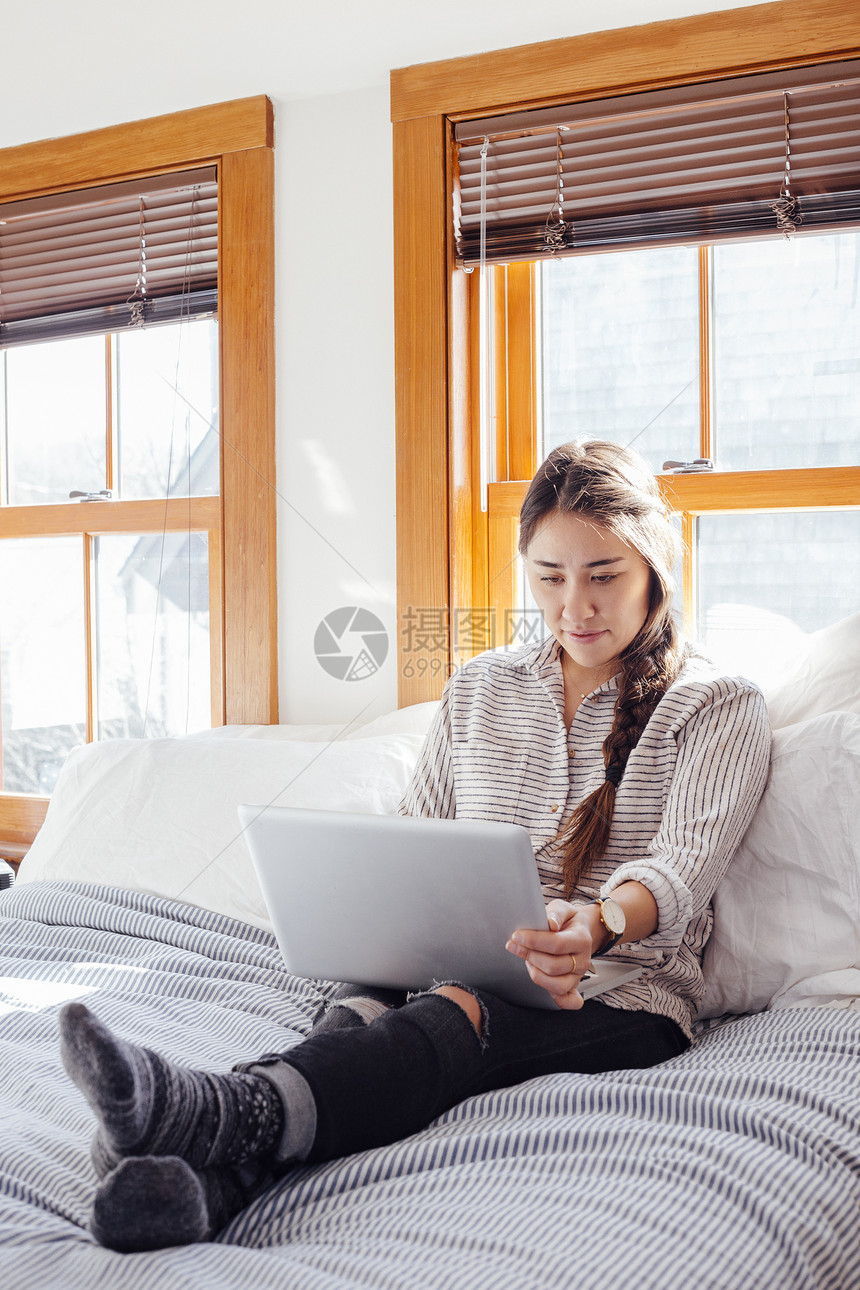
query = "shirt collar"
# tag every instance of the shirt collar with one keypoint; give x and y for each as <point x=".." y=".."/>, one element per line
<point x="544" y="661"/>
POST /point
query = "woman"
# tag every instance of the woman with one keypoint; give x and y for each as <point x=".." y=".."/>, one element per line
<point x="636" y="769"/>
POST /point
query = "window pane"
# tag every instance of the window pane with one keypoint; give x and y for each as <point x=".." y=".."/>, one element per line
<point x="152" y="635"/>
<point x="167" y="410"/>
<point x="43" y="659"/>
<point x="767" y="580"/>
<point x="621" y="351"/>
<point x="787" y="352"/>
<point x="55" y="420"/>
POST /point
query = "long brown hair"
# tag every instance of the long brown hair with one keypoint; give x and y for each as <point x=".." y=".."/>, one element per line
<point x="613" y="487"/>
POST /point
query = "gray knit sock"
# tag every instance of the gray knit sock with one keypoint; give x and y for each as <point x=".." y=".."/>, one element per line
<point x="149" y="1202"/>
<point x="147" y="1106"/>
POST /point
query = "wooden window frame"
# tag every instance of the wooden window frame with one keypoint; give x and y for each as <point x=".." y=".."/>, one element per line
<point x="449" y="557"/>
<point x="238" y="137"/>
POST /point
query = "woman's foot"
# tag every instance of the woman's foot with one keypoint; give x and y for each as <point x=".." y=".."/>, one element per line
<point x="150" y="1202"/>
<point x="147" y="1106"/>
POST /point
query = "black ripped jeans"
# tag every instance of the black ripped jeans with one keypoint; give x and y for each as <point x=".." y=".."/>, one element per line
<point x="378" y="1083"/>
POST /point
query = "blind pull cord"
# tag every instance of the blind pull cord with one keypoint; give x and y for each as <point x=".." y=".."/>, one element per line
<point x="136" y="300"/>
<point x="555" y="229"/>
<point x="487" y="348"/>
<point x="787" y="208"/>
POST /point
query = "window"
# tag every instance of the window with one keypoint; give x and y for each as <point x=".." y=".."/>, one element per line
<point x="95" y="566"/>
<point x="700" y="297"/>
<point x="105" y="627"/>
<point x="776" y="389"/>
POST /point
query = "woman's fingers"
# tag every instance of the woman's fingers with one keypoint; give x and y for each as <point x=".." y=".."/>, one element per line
<point x="573" y="939"/>
<point x="564" y="989"/>
<point x="559" y="913"/>
<point x="557" y="965"/>
<point x="556" y="958"/>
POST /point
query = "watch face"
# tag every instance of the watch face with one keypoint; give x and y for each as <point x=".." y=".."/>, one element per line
<point x="613" y="917"/>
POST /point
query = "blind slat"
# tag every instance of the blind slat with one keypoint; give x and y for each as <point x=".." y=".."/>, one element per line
<point x="64" y="293"/>
<point x="149" y="187"/>
<point x="730" y="221"/>
<point x="99" y="319"/>
<point x="39" y="228"/>
<point x="93" y="266"/>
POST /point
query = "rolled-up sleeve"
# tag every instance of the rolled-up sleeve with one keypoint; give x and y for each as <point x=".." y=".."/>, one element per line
<point x="723" y="753"/>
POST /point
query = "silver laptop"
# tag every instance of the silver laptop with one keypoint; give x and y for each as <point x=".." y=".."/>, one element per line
<point x="403" y="902"/>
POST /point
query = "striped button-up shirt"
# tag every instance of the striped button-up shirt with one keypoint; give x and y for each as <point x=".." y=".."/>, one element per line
<point x="498" y="749"/>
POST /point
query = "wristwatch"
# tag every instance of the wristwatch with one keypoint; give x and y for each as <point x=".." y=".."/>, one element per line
<point x="613" y="918"/>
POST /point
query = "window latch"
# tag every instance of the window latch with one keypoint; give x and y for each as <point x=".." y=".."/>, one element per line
<point x="103" y="495"/>
<point x="697" y="467"/>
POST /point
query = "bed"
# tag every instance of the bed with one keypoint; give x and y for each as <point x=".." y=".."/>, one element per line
<point x="735" y="1165"/>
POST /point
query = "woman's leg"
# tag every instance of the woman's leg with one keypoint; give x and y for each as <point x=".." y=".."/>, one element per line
<point x="178" y="1152"/>
<point x="383" y="1082"/>
<point x="356" y="1005"/>
<point x="339" y="1092"/>
<point x="147" y="1105"/>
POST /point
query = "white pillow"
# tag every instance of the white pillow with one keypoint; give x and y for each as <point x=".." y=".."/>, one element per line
<point x="825" y="676"/>
<point x="317" y="733"/>
<point x="159" y="815"/>
<point x="414" y="719"/>
<point x="788" y="909"/>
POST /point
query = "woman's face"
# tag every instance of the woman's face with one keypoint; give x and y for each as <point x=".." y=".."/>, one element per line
<point x="591" y="587"/>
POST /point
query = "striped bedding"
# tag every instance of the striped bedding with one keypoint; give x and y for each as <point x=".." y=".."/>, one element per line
<point x="734" y="1166"/>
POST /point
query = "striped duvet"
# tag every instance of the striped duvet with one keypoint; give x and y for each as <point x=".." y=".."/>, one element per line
<point x="734" y="1166"/>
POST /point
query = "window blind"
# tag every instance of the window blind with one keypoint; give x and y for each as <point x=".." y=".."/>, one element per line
<point x="98" y="259"/>
<point x="692" y="164"/>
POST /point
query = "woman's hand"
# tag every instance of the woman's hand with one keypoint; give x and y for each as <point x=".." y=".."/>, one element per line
<point x="558" y="959"/>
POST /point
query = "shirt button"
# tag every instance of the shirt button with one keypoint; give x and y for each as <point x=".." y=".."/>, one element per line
<point x="554" y="808"/>
<point x="571" y="752"/>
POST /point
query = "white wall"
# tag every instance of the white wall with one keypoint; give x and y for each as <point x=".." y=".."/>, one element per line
<point x="68" y="68"/>
<point x="335" y="358"/>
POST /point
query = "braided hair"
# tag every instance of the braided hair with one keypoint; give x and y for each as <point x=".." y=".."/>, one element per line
<point x="612" y="486"/>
